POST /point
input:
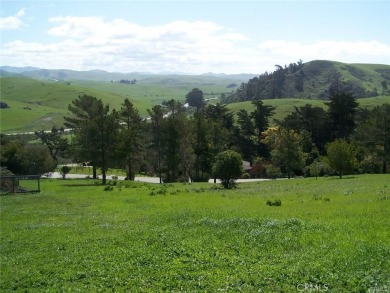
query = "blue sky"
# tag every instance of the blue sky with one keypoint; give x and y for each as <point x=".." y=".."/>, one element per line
<point x="191" y="36"/>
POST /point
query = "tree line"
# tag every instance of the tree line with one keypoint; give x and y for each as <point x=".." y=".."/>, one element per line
<point x="177" y="143"/>
<point x="301" y="80"/>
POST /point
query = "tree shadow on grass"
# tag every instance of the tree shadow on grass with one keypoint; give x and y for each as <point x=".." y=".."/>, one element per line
<point x="343" y="178"/>
<point x="80" y="185"/>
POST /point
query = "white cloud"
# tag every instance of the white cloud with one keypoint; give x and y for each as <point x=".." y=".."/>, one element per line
<point x="349" y="52"/>
<point x="92" y="42"/>
<point x="83" y="43"/>
<point x="12" y="22"/>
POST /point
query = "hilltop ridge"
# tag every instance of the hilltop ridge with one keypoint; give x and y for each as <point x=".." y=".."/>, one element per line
<point x="311" y="80"/>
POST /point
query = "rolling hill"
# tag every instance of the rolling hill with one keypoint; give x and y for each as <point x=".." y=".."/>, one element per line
<point x="36" y="104"/>
<point x="311" y="80"/>
<point x="286" y="106"/>
<point x="38" y="99"/>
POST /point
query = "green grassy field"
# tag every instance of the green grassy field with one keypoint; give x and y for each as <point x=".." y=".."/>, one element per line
<point x="74" y="236"/>
<point x="286" y="106"/>
<point x="38" y="105"/>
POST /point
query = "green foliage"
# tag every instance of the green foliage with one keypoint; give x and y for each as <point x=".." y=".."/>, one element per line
<point x="372" y="135"/>
<point x="64" y="170"/>
<point x="195" y="98"/>
<point x="276" y="203"/>
<point x="129" y="150"/>
<point x="246" y="176"/>
<point x="55" y="141"/>
<point x="286" y="150"/>
<point x="342" y="108"/>
<point x="108" y="188"/>
<point x="35" y="105"/>
<point x="228" y="168"/>
<point x="313" y="120"/>
<point x="319" y="167"/>
<point x="311" y="80"/>
<point x="341" y="156"/>
<point x="23" y="158"/>
<point x="210" y="241"/>
<point x="96" y="131"/>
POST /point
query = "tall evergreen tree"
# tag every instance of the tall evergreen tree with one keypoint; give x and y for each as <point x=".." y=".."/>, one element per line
<point x="82" y="111"/>
<point x="245" y="136"/>
<point x="157" y="125"/>
<point x="201" y="148"/>
<point x="173" y="134"/>
<point x="131" y="139"/>
<point x="373" y="136"/>
<point x="95" y="131"/>
<point x="342" y="109"/>
<point x="260" y="117"/>
<point x="314" y="120"/>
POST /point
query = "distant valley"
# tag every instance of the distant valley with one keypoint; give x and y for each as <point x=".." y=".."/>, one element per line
<point x="38" y="98"/>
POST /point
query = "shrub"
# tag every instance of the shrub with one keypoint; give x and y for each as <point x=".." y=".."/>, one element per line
<point x="276" y="203"/>
<point x="64" y="170"/>
<point x="228" y="167"/>
<point x="273" y="171"/>
<point x="245" y="176"/>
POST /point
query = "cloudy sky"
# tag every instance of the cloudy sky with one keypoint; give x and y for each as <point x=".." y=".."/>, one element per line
<point x="191" y="36"/>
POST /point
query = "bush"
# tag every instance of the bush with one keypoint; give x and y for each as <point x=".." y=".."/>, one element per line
<point x="275" y="203"/>
<point x="64" y="170"/>
<point x="246" y="176"/>
<point x="273" y="171"/>
<point x="228" y="167"/>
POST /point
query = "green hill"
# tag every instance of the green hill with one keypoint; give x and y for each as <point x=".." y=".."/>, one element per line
<point x="286" y="106"/>
<point x="35" y="105"/>
<point x="41" y="102"/>
<point x="312" y="80"/>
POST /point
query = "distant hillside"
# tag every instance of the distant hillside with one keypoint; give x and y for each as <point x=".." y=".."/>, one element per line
<point x="101" y="75"/>
<point x="11" y="69"/>
<point x="311" y="81"/>
<point x="284" y="107"/>
<point x="41" y="100"/>
<point x="36" y="104"/>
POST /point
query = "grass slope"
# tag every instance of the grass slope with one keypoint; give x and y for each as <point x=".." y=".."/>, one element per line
<point x="40" y="104"/>
<point x="36" y="105"/>
<point x="74" y="236"/>
<point x="286" y="106"/>
<point x="312" y="81"/>
<point x="320" y="73"/>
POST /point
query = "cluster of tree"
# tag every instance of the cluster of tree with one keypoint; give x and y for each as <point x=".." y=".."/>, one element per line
<point x="269" y="85"/>
<point x="344" y="138"/>
<point x="21" y="157"/>
<point x="177" y="144"/>
<point x="133" y="81"/>
<point x="299" y="80"/>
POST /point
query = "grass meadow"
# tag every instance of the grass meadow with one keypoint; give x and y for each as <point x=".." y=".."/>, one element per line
<point x="36" y="105"/>
<point x="328" y="235"/>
